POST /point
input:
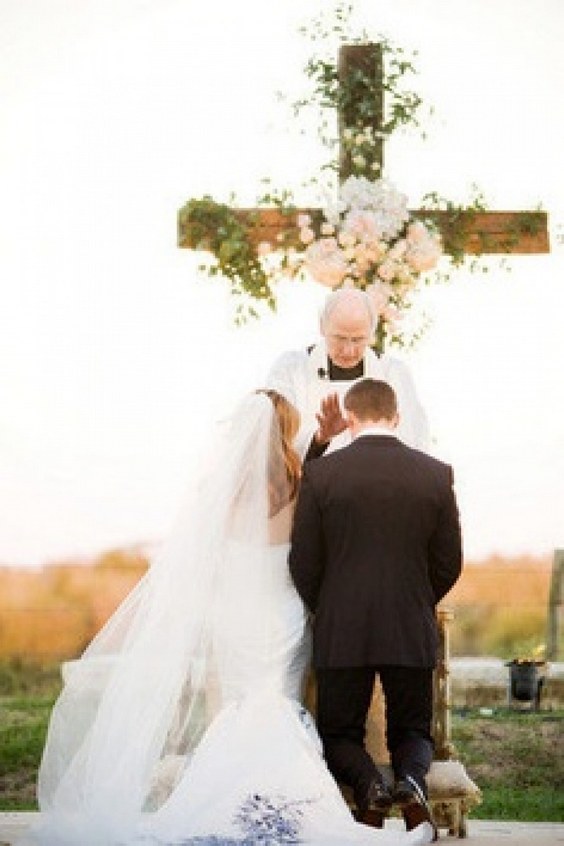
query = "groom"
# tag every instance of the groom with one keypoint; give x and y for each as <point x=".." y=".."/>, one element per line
<point x="376" y="544"/>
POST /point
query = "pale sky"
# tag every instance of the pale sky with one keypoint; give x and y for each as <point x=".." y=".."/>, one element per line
<point x="114" y="113"/>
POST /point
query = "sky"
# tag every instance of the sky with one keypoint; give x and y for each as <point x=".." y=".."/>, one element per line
<point x="116" y="354"/>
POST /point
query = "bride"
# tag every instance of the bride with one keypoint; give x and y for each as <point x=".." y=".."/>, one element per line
<point x="182" y="722"/>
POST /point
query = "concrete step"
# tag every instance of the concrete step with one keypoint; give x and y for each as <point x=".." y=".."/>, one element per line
<point x="480" y="832"/>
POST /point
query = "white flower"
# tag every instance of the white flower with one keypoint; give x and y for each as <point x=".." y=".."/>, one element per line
<point x="333" y="211"/>
<point x="357" y="192"/>
<point x="381" y="197"/>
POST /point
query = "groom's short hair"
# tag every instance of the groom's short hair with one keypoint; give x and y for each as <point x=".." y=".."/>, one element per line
<point x="371" y="399"/>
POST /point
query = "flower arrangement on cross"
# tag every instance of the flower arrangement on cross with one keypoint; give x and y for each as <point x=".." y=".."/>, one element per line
<point x="367" y="239"/>
<point x="363" y="235"/>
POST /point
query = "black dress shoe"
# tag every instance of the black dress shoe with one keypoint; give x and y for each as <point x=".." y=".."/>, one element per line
<point x="406" y="791"/>
<point x="376" y="797"/>
<point x="413" y="803"/>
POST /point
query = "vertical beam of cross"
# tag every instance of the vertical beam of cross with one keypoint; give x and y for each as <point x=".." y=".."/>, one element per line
<point x="361" y="67"/>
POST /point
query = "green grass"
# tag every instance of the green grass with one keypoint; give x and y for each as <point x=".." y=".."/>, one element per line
<point x="516" y="758"/>
<point x="27" y="694"/>
<point x="17" y="677"/>
<point x="23" y="724"/>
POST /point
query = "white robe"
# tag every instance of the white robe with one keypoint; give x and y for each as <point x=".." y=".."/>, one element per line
<point x="303" y="379"/>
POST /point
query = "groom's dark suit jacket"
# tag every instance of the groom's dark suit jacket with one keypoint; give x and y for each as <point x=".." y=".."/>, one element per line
<point x="375" y="545"/>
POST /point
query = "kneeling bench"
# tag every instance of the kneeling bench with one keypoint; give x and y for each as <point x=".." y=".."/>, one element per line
<point x="452" y="794"/>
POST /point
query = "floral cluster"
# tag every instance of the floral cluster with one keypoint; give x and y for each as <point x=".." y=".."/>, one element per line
<point x="271" y="821"/>
<point x="367" y="239"/>
<point x="361" y="144"/>
<point x="263" y="820"/>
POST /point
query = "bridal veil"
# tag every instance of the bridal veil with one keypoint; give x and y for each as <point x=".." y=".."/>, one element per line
<point x="138" y="701"/>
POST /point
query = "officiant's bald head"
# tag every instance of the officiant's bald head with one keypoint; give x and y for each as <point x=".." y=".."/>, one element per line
<point x="347" y="323"/>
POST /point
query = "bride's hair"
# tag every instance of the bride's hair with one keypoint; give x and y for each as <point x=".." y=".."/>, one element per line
<point x="284" y="465"/>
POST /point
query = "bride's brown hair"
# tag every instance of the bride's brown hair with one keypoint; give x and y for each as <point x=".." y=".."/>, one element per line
<point x="284" y="465"/>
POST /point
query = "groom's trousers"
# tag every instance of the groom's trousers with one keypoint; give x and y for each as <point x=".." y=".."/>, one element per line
<point x="343" y="701"/>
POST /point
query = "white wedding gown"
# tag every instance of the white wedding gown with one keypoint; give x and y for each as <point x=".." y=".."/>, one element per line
<point x="190" y="731"/>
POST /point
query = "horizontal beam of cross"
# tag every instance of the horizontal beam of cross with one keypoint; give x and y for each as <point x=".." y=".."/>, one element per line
<point x="476" y="233"/>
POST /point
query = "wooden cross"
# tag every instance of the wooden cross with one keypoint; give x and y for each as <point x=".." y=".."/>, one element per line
<point x="471" y="232"/>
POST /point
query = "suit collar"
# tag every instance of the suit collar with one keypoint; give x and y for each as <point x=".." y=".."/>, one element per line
<point x="376" y="440"/>
<point x="377" y="430"/>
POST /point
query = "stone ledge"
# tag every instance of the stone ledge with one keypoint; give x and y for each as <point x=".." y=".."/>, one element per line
<point x="480" y="682"/>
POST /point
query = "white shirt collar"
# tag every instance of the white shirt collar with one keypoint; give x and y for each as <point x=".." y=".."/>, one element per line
<point x="377" y="430"/>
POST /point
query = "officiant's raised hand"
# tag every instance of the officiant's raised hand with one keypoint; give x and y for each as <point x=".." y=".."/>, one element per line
<point x="330" y="419"/>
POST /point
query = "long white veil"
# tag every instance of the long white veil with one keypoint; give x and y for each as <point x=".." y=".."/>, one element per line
<point x="147" y="687"/>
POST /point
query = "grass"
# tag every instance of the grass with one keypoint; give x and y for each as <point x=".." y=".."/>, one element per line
<point x="23" y="724"/>
<point x="27" y="694"/>
<point x="516" y="758"/>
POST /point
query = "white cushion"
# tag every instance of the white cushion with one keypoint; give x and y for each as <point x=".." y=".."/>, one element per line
<point x="447" y="779"/>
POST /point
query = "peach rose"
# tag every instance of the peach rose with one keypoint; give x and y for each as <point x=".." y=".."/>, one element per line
<point x="326" y="262"/>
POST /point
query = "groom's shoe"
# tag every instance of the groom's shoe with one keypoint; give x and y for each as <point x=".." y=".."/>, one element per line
<point x="413" y="803"/>
<point x="373" y="802"/>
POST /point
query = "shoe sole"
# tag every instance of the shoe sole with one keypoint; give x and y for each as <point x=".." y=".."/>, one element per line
<point x="375" y="819"/>
<point x="415" y="814"/>
<point x="415" y="807"/>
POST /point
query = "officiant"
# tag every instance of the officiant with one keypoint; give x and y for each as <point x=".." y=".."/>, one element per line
<point x="315" y="379"/>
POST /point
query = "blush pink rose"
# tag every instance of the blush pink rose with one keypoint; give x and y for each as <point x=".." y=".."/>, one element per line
<point x="307" y="235"/>
<point x="379" y="294"/>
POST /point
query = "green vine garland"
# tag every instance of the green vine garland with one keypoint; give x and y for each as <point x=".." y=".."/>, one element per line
<point x="357" y="94"/>
<point x="215" y="228"/>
